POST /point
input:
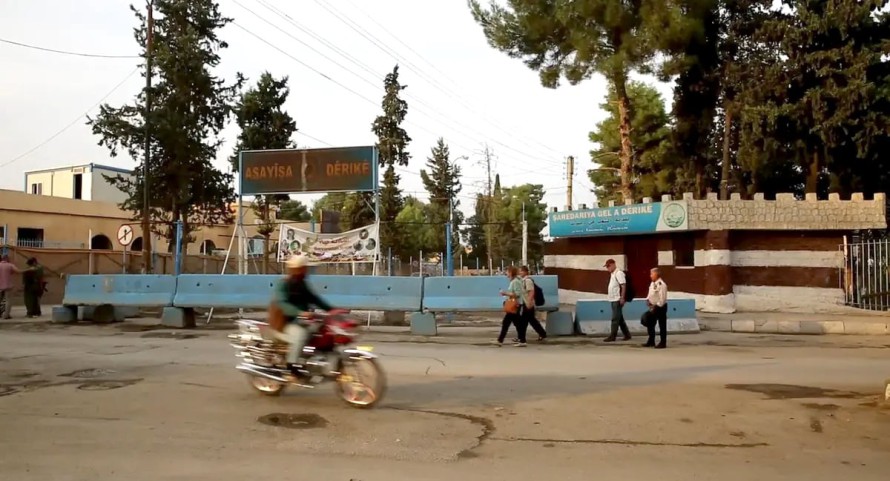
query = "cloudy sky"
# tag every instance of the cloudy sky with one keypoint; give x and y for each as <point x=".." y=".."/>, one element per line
<point x="336" y="53"/>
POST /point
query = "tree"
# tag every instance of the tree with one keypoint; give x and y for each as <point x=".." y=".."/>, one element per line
<point x="294" y="210"/>
<point x="650" y="135"/>
<point x="264" y="125"/>
<point x="333" y="202"/>
<point x="392" y="147"/>
<point x="441" y="180"/>
<point x="575" y="39"/>
<point x="415" y="234"/>
<point x="189" y="108"/>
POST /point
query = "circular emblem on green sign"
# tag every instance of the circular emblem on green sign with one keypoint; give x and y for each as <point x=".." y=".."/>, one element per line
<point x="674" y="215"/>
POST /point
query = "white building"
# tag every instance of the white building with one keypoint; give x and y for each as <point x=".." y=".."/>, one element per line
<point x="85" y="182"/>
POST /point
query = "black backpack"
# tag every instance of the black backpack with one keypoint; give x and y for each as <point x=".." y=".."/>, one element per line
<point x="629" y="292"/>
<point x="539" y="295"/>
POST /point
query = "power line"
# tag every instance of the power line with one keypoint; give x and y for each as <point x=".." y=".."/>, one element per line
<point x="73" y="122"/>
<point x="444" y="120"/>
<point x="65" y="52"/>
<point x="344" y="18"/>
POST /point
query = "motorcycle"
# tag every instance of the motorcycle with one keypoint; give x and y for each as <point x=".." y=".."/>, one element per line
<point x="327" y="357"/>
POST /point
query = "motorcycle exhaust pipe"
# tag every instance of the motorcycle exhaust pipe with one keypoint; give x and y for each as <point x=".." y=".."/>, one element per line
<point x="258" y="371"/>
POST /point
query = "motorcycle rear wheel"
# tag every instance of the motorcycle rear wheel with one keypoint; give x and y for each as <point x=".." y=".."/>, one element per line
<point x="266" y="387"/>
<point x="354" y="390"/>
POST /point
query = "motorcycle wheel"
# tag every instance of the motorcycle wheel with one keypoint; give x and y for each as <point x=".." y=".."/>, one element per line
<point x="265" y="386"/>
<point x="353" y="388"/>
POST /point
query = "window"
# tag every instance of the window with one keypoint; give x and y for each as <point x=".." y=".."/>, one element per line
<point x="37" y="189"/>
<point x="28" y="237"/>
<point x="684" y="250"/>
<point x="78" y="186"/>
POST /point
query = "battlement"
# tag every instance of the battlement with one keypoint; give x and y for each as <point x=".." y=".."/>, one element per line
<point x="786" y="212"/>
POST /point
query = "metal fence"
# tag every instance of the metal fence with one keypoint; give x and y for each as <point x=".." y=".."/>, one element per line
<point x="866" y="275"/>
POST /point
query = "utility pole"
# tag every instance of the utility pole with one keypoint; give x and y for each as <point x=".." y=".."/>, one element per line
<point x="489" y="198"/>
<point x="146" y="222"/>
<point x="570" y="173"/>
<point x="524" y="237"/>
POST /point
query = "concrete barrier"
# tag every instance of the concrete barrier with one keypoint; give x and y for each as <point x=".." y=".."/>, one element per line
<point x="255" y="291"/>
<point x="595" y="317"/>
<point x="107" y="298"/>
<point x="480" y="294"/>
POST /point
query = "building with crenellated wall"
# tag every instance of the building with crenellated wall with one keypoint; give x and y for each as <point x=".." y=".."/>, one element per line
<point x="729" y="255"/>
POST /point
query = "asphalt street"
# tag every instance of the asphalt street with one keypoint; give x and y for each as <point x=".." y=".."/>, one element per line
<point x="139" y="403"/>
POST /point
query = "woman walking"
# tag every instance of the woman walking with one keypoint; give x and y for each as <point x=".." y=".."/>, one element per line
<point x="512" y="302"/>
<point x="34" y="287"/>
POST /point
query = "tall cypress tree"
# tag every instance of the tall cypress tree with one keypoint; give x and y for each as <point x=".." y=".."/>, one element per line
<point x="392" y="145"/>
<point x="442" y="182"/>
<point x="189" y="109"/>
<point x="264" y="125"/>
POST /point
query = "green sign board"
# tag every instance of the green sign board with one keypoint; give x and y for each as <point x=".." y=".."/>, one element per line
<point x="291" y="171"/>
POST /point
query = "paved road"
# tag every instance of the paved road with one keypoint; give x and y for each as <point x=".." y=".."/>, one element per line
<point x="101" y="403"/>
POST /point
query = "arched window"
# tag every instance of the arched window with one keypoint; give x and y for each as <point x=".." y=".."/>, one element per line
<point x="101" y="243"/>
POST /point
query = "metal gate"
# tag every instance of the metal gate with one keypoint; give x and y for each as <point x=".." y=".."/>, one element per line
<point x="866" y="275"/>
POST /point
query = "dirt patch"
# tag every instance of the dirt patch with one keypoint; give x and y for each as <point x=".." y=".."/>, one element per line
<point x="106" y="385"/>
<point x="8" y="390"/>
<point x="815" y="425"/>
<point x="87" y="373"/>
<point x="487" y="425"/>
<point x="789" y="391"/>
<point x="170" y="335"/>
<point x="821" y="407"/>
<point x="294" y="421"/>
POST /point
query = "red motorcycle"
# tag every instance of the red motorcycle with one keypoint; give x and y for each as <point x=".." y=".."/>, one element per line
<point x="355" y="371"/>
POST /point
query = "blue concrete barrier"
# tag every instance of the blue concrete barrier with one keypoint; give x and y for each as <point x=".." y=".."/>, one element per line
<point x="594" y="317"/>
<point x="107" y="298"/>
<point x="481" y="294"/>
<point x="255" y="291"/>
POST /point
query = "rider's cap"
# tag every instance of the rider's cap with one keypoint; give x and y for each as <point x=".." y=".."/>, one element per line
<point x="297" y="261"/>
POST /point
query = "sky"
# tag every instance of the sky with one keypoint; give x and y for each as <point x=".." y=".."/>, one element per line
<point x="336" y="54"/>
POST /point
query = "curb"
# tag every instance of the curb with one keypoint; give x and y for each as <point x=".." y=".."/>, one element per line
<point x="862" y="328"/>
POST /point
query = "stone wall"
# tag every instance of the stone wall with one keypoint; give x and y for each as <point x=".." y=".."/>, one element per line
<point x="786" y="213"/>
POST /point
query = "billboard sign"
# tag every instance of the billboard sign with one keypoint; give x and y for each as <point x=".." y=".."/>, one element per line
<point x="359" y="245"/>
<point x="621" y="220"/>
<point x="293" y="171"/>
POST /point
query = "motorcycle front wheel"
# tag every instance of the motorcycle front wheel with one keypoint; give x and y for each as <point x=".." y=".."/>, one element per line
<point x="265" y="386"/>
<point x="361" y="383"/>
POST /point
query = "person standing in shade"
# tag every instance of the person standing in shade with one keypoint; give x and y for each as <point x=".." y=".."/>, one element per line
<point x="34" y="285"/>
<point x="657" y="301"/>
<point x="7" y="269"/>
<point x="616" y="297"/>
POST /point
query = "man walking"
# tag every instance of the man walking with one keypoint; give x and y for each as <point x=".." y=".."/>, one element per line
<point x="657" y="301"/>
<point x="528" y="304"/>
<point x="7" y="269"/>
<point x="616" y="296"/>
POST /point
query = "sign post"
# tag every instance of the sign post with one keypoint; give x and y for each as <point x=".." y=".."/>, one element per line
<point x="125" y="238"/>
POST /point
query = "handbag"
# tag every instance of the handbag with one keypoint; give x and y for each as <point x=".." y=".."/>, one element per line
<point x="511" y="306"/>
<point x="648" y="319"/>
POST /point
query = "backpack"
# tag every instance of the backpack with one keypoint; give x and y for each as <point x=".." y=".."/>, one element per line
<point x="539" y="295"/>
<point x="629" y="291"/>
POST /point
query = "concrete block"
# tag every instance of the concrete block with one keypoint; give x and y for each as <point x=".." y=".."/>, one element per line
<point x="560" y="323"/>
<point x="595" y="328"/>
<point x="63" y="314"/>
<point x="864" y="328"/>
<point x="717" y="325"/>
<point x="603" y="328"/>
<point x="182" y="317"/>
<point x="743" y="326"/>
<point x="423" y="324"/>
<point x="765" y="326"/>
<point x="788" y="327"/>
<point x="821" y="327"/>
<point x="887" y="391"/>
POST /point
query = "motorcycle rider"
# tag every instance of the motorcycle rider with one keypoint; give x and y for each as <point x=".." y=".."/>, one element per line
<point x="295" y="299"/>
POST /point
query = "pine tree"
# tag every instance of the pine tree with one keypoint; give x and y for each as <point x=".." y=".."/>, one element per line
<point x="442" y="182"/>
<point x="189" y="109"/>
<point x="264" y="125"/>
<point x="655" y="170"/>
<point x="575" y="39"/>
<point x="392" y="145"/>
